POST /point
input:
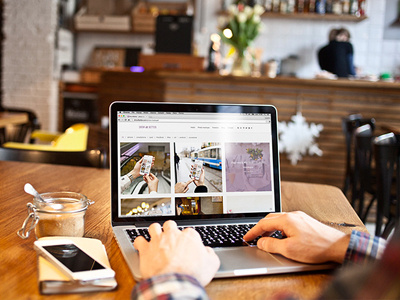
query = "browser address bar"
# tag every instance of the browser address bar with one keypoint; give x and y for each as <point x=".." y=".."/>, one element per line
<point x="201" y="121"/>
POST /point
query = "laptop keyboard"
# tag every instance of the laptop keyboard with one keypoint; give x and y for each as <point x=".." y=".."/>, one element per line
<point x="213" y="236"/>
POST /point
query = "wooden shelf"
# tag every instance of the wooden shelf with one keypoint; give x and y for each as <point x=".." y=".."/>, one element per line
<point x="315" y="16"/>
<point x="309" y="16"/>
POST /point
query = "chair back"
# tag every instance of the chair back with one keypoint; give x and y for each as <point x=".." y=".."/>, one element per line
<point x="96" y="158"/>
<point x="362" y="174"/>
<point x="74" y="138"/>
<point x="349" y="125"/>
<point x="19" y="133"/>
<point x="387" y="163"/>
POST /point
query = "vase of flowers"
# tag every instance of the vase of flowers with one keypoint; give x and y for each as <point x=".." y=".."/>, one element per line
<point x="242" y="28"/>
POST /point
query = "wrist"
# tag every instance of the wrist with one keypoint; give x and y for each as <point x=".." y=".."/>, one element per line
<point x="130" y="176"/>
<point x="339" y="248"/>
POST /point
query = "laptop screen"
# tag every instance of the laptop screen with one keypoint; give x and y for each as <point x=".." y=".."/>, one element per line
<point x="193" y="161"/>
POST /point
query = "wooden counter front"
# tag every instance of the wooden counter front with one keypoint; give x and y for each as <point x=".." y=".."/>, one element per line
<point x="323" y="102"/>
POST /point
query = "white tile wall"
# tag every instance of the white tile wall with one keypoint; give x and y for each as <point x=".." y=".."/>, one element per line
<point x="28" y="58"/>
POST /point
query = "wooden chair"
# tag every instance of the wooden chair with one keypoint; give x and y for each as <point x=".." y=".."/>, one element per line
<point x="96" y="158"/>
<point x="73" y="139"/>
<point x="19" y="133"/>
<point x="387" y="163"/>
<point x="363" y="174"/>
<point x="349" y="125"/>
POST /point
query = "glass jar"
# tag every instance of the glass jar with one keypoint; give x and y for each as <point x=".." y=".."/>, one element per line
<point x="60" y="214"/>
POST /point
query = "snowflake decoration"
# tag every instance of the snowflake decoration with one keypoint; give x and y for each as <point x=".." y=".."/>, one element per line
<point x="297" y="136"/>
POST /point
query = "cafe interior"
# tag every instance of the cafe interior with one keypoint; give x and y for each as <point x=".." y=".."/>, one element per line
<point x="63" y="63"/>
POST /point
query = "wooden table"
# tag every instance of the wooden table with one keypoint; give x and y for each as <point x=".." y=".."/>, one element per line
<point x="19" y="261"/>
<point x="9" y="118"/>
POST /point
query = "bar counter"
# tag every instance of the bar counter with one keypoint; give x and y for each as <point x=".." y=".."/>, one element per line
<point x="321" y="101"/>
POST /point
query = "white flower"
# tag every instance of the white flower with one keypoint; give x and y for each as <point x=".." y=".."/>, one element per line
<point x="256" y="19"/>
<point x="233" y="10"/>
<point x="242" y="17"/>
<point x="258" y="10"/>
<point x="248" y="11"/>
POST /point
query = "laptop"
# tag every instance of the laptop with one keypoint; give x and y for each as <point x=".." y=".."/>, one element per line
<point x="217" y="167"/>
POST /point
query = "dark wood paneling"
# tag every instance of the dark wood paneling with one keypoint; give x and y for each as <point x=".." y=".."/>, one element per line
<point x="320" y="101"/>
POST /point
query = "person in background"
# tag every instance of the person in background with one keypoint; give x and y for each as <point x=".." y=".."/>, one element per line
<point x="371" y="268"/>
<point x="337" y="56"/>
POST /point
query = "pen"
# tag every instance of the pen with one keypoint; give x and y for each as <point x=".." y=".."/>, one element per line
<point x="344" y="224"/>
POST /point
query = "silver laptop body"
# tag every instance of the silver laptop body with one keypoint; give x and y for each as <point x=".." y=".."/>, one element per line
<point x="238" y="148"/>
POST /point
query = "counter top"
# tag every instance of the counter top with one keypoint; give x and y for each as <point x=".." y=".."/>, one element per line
<point x="172" y="74"/>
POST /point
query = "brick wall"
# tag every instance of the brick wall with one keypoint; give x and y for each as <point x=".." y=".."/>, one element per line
<point x="29" y="77"/>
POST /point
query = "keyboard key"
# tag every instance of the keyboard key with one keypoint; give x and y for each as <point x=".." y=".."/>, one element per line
<point x="213" y="236"/>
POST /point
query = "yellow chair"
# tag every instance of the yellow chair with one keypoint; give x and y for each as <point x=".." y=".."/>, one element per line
<point x="73" y="139"/>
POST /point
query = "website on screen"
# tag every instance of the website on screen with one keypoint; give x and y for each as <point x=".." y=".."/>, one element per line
<point x="188" y="164"/>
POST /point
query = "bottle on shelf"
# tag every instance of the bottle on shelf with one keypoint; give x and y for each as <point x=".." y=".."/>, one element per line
<point x="329" y="6"/>
<point x="361" y="7"/>
<point x="306" y="5"/>
<point x="276" y="5"/>
<point x="268" y="5"/>
<point x="320" y="6"/>
<point x="346" y="6"/>
<point x="353" y="7"/>
<point x="291" y="6"/>
<point x="337" y="7"/>
<point x="283" y="7"/>
<point x="311" y="6"/>
<point x="300" y="6"/>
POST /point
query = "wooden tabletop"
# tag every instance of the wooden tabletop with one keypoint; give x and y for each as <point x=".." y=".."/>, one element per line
<point x="18" y="260"/>
<point x="10" y="118"/>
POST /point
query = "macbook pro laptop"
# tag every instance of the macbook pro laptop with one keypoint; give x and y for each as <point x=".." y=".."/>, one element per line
<point x="217" y="167"/>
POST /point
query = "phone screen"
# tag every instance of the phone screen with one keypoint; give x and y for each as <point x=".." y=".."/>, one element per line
<point x="73" y="258"/>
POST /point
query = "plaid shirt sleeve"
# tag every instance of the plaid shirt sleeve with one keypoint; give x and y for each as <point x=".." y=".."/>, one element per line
<point x="375" y="280"/>
<point x="364" y="247"/>
<point x="169" y="287"/>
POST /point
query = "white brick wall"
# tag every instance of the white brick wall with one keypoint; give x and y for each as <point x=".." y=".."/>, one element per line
<point x="29" y="79"/>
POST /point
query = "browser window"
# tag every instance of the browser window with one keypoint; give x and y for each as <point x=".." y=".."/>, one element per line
<point x="201" y="163"/>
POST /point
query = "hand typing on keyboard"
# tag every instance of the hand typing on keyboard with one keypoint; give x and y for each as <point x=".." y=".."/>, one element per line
<point x="307" y="240"/>
<point x="171" y="250"/>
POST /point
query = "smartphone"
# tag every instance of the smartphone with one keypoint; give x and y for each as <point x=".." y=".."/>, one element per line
<point x="71" y="260"/>
<point x="146" y="165"/>
<point x="196" y="169"/>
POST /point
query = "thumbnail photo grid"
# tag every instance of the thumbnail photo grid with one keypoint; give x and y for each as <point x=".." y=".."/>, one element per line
<point x="183" y="179"/>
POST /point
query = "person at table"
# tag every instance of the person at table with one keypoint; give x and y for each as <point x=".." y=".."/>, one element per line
<point x="337" y="56"/>
<point x="170" y="272"/>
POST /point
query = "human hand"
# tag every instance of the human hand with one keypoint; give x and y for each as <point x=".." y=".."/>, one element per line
<point x="135" y="172"/>
<point x="152" y="182"/>
<point x="182" y="187"/>
<point x="200" y="181"/>
<point x="307" y="240"/>
<point x="175" y="251"/>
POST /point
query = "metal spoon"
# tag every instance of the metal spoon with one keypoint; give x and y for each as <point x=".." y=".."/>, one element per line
<point x="28" y="188"/>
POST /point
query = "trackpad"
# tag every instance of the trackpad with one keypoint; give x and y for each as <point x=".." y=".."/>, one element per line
<point x="246" y="261"/>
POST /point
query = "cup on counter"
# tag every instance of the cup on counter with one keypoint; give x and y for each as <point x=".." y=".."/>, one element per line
<point x="60" y="214"/>
<point x="271" y="68"/>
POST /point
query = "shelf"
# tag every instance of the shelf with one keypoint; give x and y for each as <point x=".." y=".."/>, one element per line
<point x="315" y="16"/>
<point x="309" y="16"/>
